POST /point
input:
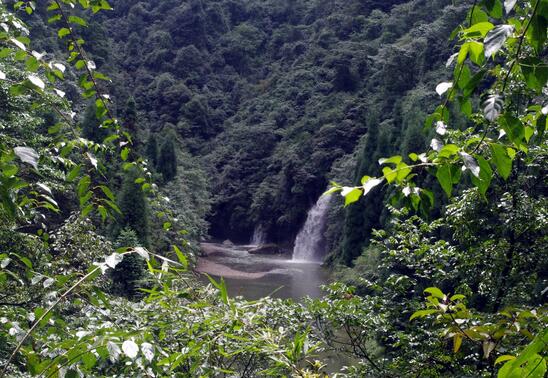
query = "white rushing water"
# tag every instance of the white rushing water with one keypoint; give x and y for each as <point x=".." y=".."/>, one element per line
<point x="310" y="242"/>
<point x="259" y="236"/>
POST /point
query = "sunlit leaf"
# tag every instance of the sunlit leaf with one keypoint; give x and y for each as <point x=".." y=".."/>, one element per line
<point x="130" y="348"/>
<point x="495" y="39"/>
<point x="27" y="155"/>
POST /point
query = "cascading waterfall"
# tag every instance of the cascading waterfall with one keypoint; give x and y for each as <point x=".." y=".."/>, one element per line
<point x="259" y="236"/>
<point x="310" y="242"/>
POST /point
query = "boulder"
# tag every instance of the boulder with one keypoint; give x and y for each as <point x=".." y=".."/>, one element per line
<point x="228" y="243"/>
<point x="211" y="249"/>
<point x="266" y="249"/>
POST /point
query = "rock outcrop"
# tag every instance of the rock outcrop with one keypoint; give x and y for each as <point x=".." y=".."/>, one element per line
<point x="266" y="249"/>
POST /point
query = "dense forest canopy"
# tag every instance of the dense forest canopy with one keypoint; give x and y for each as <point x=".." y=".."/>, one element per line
<point x="132" y="130"/>
<point x="308" y="79"/>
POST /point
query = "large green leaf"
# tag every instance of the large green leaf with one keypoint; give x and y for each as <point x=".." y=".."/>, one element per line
<point x="443" y="174"/>
<point x="513" y="127"/>
<point x="535" y="72"/>
<point x="485" y="175"/>
<point x="536" y="34"/>
<point x="502" y="161"/>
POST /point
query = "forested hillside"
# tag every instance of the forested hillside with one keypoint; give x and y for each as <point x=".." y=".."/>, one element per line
<point x="275" y="98"/>
<point x="132" y="131"/>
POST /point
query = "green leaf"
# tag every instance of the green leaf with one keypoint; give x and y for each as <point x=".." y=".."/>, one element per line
<point x="63" y="32"/>
<point x="528" y="360"/>
<point x="476" y="52"/>
<point x="435" y="292"/>
<point x="473" y="83"/>
<point x="496" y="38"/>
<point x="86" y="210"/>
<point x="536" y="34"/>
<point x="457" y="342"/>
<point x="479" y="29"/>
<point x="535" y="72"/>
<point x="103" y="212"/>
<point x="54" y="18"/>
<point x="503" y="358"/>
<point x="502" y="161"/>
<point x="83" y="185"/>
<point x="107" y="192"/>
<point x="124" y="153"/>
<point x="422" y="313"/>
<point x="494" y="7"/>
<point x="392" y="160"/>
<point x="77" y="20"/>
<point x="351" y="195"/>
<point x="73" y="173"/>
<point x="478" y="15"/>
<point x="465" y="106"/>
<point x="513" y="128"/>
<point x="402" y="171"/>
<point x="181" y="257"/>
<point x="389" y="174"/>
<point x="32" y="64"/>
<point x="444" y="176"/>
<point x="448" y="150"/>
<point x="89" y="360"/>
<point x="101" y="109"/>
<point x="485" y="175"/>
<point x="332" y="190"/>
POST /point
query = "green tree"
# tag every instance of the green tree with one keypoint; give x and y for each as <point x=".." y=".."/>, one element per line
<point x="128" y="274"/>
<point x="134" y="208"/>
<point x="92" y="126"/>
<point x="130" y="115"/>
<point x="167" y="159"/>
<point x="152" y="149"/>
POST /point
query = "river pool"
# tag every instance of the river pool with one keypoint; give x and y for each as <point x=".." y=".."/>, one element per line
<point x="256" y="276"/>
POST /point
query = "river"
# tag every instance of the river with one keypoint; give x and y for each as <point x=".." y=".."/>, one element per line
<point x="256" y="276"/>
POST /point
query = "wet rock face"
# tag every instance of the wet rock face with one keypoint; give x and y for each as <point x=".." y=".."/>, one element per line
<point x="266" y="249"/>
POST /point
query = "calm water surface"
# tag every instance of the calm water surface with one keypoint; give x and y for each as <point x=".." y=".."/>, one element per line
<point x="281" y="276"/>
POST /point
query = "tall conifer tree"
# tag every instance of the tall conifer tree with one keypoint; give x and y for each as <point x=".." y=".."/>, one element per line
<point x="91" y="125"/>
<point x="167" y="161"/>
<point x="133" y="205"/>
<point x="152" y="149"/>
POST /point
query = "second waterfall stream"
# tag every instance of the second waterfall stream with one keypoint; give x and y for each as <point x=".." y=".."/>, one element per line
<point x="310" y="242"/>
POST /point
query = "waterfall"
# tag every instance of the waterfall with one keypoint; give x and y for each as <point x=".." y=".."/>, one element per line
<point x="310" y="242"/>
<point x="259" y="236"/>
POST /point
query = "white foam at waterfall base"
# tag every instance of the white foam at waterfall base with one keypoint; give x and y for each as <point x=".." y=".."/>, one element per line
<point x="310" y="242"/>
